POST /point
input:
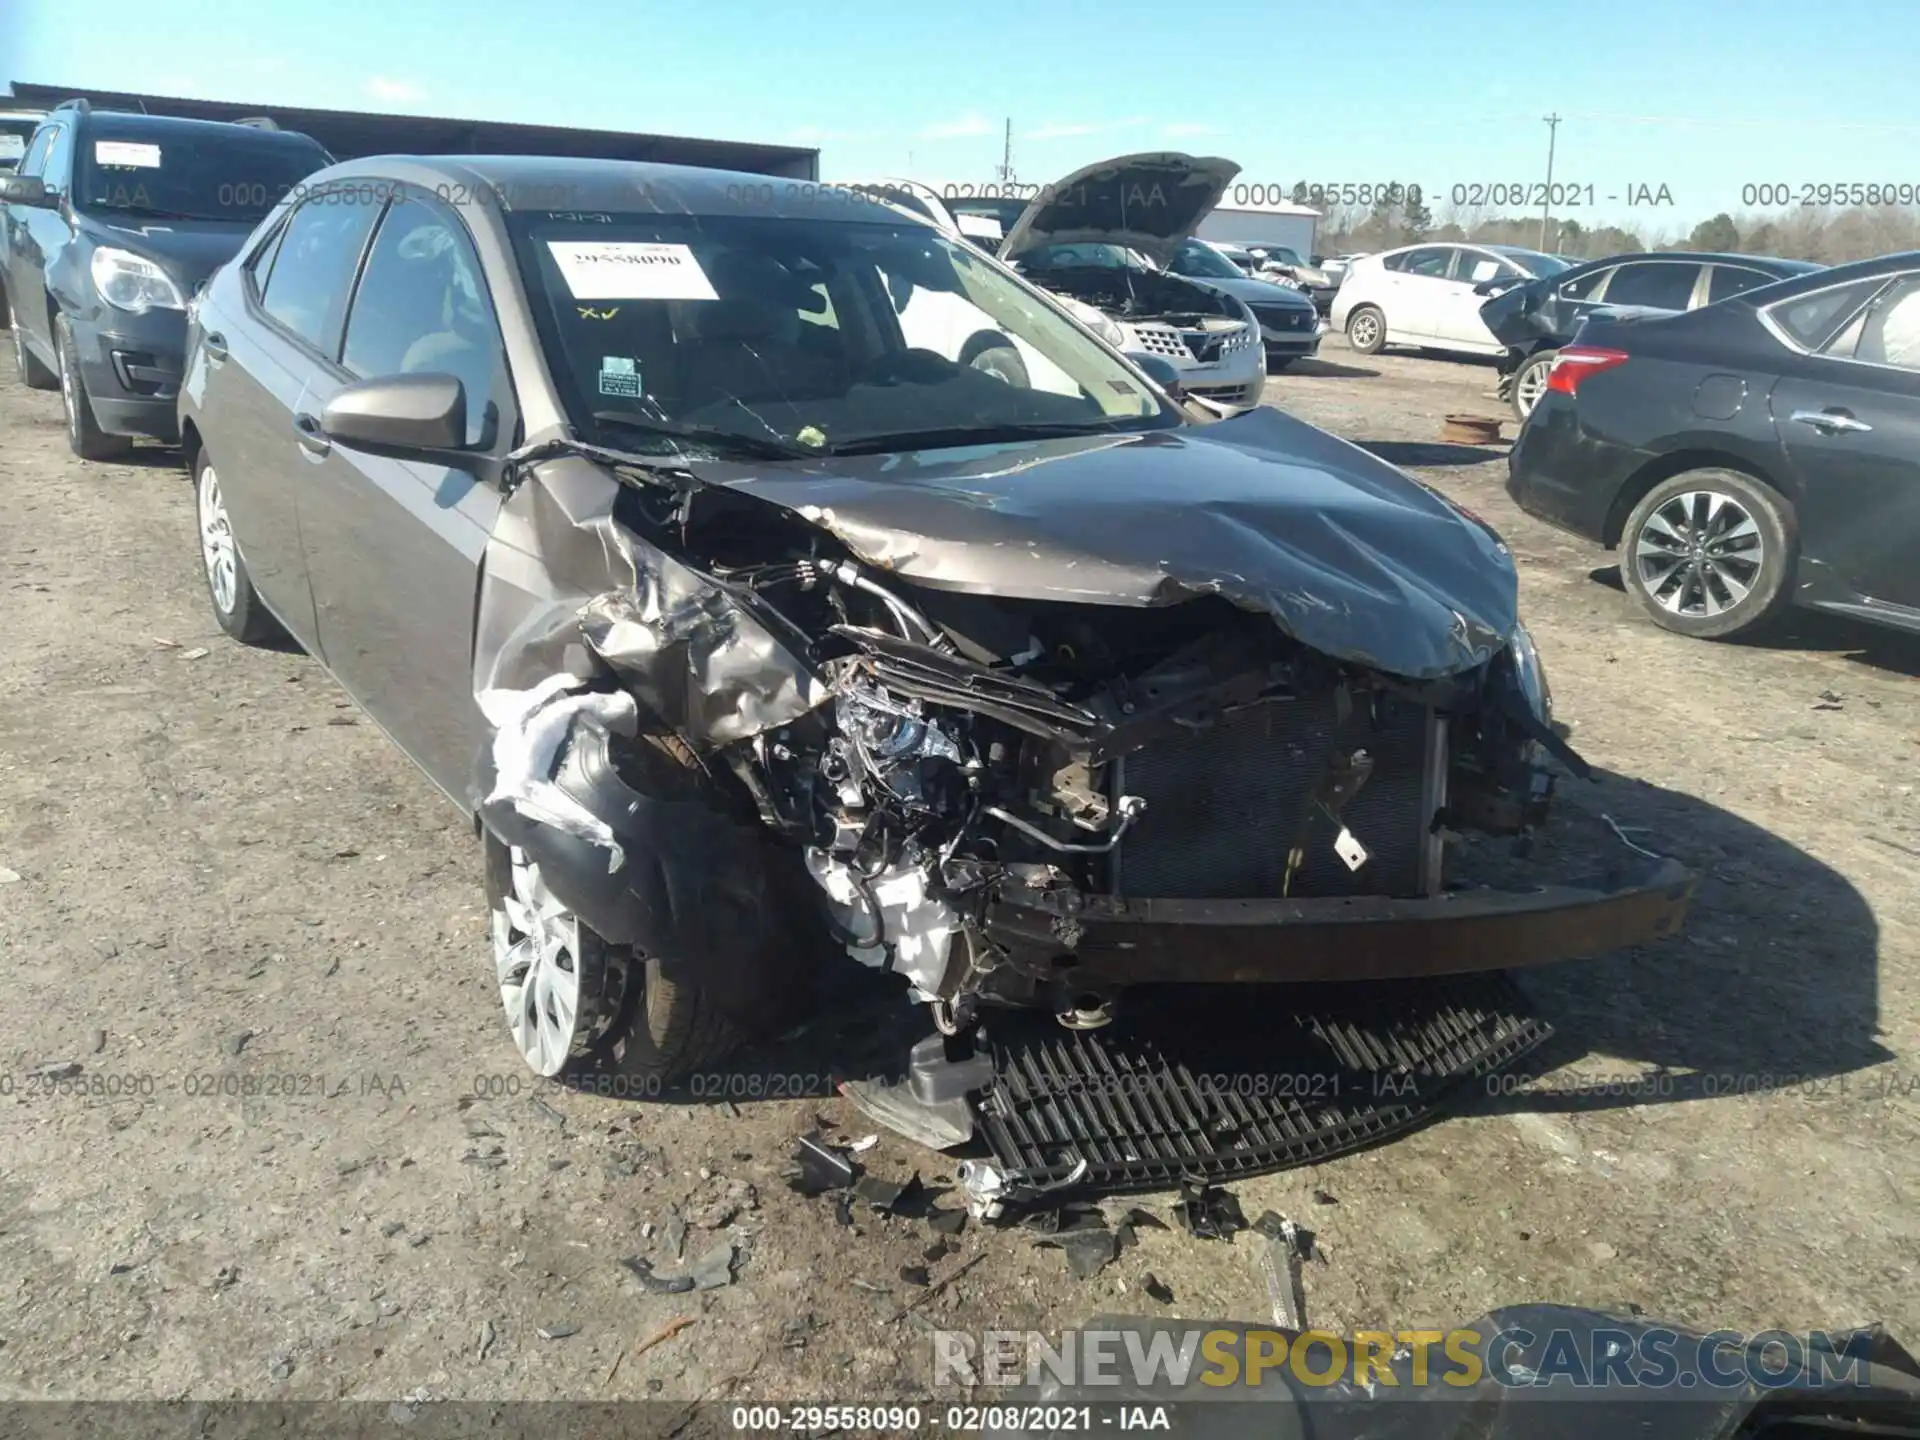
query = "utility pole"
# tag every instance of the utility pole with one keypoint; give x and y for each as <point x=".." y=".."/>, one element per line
<point x="1006" y="154"/>
<point x="1546" y="199"/>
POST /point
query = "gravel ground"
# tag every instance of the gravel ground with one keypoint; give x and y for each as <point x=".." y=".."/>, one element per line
<point x="299" y="1160"/>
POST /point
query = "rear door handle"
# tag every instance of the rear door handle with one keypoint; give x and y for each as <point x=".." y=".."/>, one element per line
<point x="1831" y="422"/>
<point x="312" y="439"/>
<point x="214" y="346"/>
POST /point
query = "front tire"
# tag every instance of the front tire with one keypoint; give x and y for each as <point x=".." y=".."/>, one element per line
<point x="84" y="435"/>
<point x="575" y="1003"/>
<point x="1529" y="382"/>
<point x="1708" y="553"/>
<point x="236" y="605"/>
<point x="32" y="373"/>
<point x="1367" y="329"/>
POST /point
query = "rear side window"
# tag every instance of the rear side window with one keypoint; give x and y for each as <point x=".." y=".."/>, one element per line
<point x="1810" y="321"/>
<point x="1429" y="260"/>
<point x="317" y="254"/>
<point x="422" y="308"/>
<point x="1659" y="284"/>
<point x="1725" y="281"/>
<point x="1887" y="331"/>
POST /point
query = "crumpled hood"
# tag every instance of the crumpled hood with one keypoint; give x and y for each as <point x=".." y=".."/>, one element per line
<point x="1345" y="552"/>
<point x="1148" y="203"/>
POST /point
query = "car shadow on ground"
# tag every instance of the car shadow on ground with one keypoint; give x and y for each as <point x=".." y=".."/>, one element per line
<point x="1877" y="647"/>
<point x="1773" y="983"/>
<point x="1318" y="369"/>
<point x="1421" y="452"/>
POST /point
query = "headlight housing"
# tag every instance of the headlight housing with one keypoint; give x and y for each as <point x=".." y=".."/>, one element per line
<point x="133" y="283"/>
<point x="1108" y="331"/>
<point x="1531" y="674"/>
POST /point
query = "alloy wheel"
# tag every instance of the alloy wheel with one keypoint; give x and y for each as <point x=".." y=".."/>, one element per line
<point x="1699" y="554"/>
<point x="537" y="959"/>
<point x="1364" y="331"/>
<point x="1529" y="386"/>
<point x="217" y="550"/>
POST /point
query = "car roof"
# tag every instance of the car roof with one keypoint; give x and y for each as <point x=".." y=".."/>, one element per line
<point x="1717" y="257"/>
<point x="550" y="182"/>
<point x="160" y="127"/>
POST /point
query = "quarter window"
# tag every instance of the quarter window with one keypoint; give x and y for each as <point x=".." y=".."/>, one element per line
<point x="313" y="266"/>
<point x="1887" y="331"/>
<point x="422" y="308"/>
<point x="1809" y="321"/>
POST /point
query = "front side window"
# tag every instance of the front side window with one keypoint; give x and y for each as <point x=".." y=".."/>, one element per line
<point x="422" y="308"/>
<point x="306" y="291"/>
<point x="1724" y="281"/>
<point x="808" y="336"/>
<point x="1430" y="261"/>
<point x="1582" y="287"/>
<point x="225" y="173"/>
<point x="1657" y="284"/>
<point x="58" y="168"/>
<point x="35" y="158"/>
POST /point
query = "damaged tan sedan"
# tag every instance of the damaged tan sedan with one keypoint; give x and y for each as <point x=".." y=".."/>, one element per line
<point x="747" y="630"/>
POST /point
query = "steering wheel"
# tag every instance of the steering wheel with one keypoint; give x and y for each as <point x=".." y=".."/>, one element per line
<point x="914" y="366"/>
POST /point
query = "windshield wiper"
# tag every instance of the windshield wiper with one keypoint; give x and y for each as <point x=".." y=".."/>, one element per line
<point x="972" y="435"/>
<point x="155" y="212"/>
<point x="765" y="447"/>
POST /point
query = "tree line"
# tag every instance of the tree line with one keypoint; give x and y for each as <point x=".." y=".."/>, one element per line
<point x="1827" y="235"/>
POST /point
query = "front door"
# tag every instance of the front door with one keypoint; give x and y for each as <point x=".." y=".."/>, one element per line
<point x="393" y="548"/>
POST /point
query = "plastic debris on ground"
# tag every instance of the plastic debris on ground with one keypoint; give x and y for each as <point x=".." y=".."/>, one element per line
<point x="1091" y="1237"/>
<point x="819" y="1167"/>
<point x="1209" y="1212"/>
<point x="1285" y="1245"/>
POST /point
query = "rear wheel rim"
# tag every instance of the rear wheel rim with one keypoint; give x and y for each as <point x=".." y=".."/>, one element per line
<point x="217" y="550"/>
<point x="1699" y="554"/>
<point x="1531" y="385"/>
<point x="536" y="958"/>
<point x="1365" y="330"/>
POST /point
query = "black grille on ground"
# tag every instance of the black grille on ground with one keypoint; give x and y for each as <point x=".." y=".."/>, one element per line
<point x="1219" y="1084"/>
<point x="1224" y="804"/>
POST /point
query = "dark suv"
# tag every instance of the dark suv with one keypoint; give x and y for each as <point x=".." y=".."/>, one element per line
<point x="108" y="226"/>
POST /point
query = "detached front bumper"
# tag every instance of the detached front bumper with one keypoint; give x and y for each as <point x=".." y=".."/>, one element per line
<point x="1117" y="942"/>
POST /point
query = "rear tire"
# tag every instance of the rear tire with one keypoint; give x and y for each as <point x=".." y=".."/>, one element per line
<point x="1709" y="553"/>
<point x="1529" y="382"/>
<point x="1367" y="329"/>
<point x="84" y="435"/>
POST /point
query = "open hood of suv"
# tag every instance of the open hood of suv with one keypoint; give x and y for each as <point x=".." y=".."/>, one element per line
<point x="1148" y="203"/>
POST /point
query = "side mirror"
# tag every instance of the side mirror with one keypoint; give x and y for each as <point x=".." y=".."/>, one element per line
<point x="1159" y="369"/>
<point x="407" y="417"/>
<point x="26" y="190"/>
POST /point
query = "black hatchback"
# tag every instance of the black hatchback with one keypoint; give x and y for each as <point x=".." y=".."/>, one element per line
<point x="1745" y="456"/>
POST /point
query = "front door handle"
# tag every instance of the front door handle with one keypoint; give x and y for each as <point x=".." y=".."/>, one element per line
<point x="312" y="438"/>
<point x="1831" y="422"/>
<point x="214" y="346"/>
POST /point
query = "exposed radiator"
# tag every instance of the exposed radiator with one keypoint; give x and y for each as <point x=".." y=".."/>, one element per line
<point x="1224" y="804"/>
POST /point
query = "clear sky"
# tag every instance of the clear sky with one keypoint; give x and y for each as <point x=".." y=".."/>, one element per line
<point x="1701" y="96"/>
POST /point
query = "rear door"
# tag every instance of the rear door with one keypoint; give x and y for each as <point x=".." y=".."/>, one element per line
<point x="262" y="365"/>
<point x="393" y="548"/>
<point x="1417" y="293"/>
<point x="1849" y="418"/>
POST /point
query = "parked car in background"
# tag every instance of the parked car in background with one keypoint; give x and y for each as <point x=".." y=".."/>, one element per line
<point x="1284" y="260"/>
<point x="1290" y="326"/>
<point x="1534" y="318"/>
<point x="107" y="227"/>
<point x="1424" y="295"/>
<point x="16" y="129"/>
<point x="1755" y="453"/>
<point x="1336" y="266"/>
<point x="1241" y="257"/>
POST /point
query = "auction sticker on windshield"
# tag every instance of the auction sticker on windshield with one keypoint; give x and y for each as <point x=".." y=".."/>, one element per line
<point x="630" y="270"/>
<point x="126" y="152"/>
